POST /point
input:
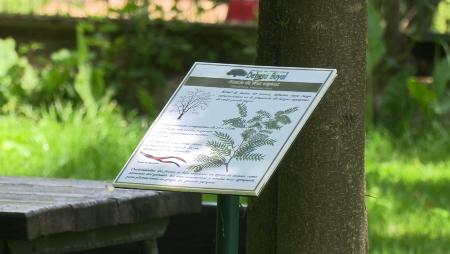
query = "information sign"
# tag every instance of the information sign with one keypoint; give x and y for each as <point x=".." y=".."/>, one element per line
<point x="225" y="129"/>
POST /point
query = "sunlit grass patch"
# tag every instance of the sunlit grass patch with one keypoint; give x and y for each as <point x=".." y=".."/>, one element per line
<point x="67" y="142"/>
<point x="408" y="197"/>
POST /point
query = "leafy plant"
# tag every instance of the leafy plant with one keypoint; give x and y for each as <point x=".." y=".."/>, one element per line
<point x="407" y="61"/>
<point x="442" y="17"/>
<point x="441" y="87"/>
<point x="137" y="56"/>
<point x="255" y="133"/>
<point x="410" y="103"/>
<point x="375" y="53"/>
<point x="63" y="140"/>
<point x="18" y="79"/>
<point x="68" y="75"/>
<point x="128" y="59"/>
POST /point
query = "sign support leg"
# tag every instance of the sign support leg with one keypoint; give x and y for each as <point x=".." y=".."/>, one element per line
<point x="227" y="226"/>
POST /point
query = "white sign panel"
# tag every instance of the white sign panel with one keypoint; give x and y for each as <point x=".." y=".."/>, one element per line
<point x="225" y="129"/>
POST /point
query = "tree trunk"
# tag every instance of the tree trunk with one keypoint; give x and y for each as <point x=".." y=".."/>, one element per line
<point x="315" y="203"/>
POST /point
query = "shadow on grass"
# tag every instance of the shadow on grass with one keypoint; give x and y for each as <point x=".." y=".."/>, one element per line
<point x="410" y="244"/>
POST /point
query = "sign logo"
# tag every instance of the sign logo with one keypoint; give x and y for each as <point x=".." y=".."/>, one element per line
<point x="237" y="72"/>
<point x="256" y="75"/>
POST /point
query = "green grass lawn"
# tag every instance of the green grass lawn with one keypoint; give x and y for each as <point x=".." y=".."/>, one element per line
<point x="408" y="196"/>
<point x="409" y="207"/>
<point x="408" y="189"/>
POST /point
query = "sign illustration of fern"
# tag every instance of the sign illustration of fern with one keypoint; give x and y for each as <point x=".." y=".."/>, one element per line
<point x="256" y="131"/>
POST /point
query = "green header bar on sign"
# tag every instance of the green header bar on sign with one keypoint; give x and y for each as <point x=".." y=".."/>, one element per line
<point x="253" y="84"/>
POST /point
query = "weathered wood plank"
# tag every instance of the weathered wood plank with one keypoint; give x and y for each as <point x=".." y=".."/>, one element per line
<point x="77" y="241"/>
<point x="20" y="206"/>
<point x="52" y="197"/>
<point x="63" y="190"/>
<point x="49" y="220"/>
<point x="43" y="181"/>
<point x="44" y="206"/>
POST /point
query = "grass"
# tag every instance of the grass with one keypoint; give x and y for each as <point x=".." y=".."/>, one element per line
<point x="408" y="192"/>
<point x="67" y="142"/>
<point x="408" y="181"/>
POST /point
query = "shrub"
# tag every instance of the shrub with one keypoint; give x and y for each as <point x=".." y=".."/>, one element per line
<point x="66" y="141"/>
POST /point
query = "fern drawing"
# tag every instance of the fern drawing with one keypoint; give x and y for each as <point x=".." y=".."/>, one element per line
<point x="256" y="131"/>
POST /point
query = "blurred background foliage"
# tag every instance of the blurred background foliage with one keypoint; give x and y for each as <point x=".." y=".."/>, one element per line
<point x="80" y="81"/>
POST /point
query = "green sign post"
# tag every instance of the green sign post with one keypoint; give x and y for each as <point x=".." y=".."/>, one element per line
<point x="227" y="224"/>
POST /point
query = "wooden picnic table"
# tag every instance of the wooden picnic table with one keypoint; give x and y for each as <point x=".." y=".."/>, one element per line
<point x="42" y="215"/>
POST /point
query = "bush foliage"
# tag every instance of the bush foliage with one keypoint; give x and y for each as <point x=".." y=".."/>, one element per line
<point x="67" y="141"/>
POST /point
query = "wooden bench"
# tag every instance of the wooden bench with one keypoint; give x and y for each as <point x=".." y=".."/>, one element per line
<point x="41" y="215"/>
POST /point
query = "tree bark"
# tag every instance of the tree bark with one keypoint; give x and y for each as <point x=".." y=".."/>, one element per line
<point x="315" y="203"/>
